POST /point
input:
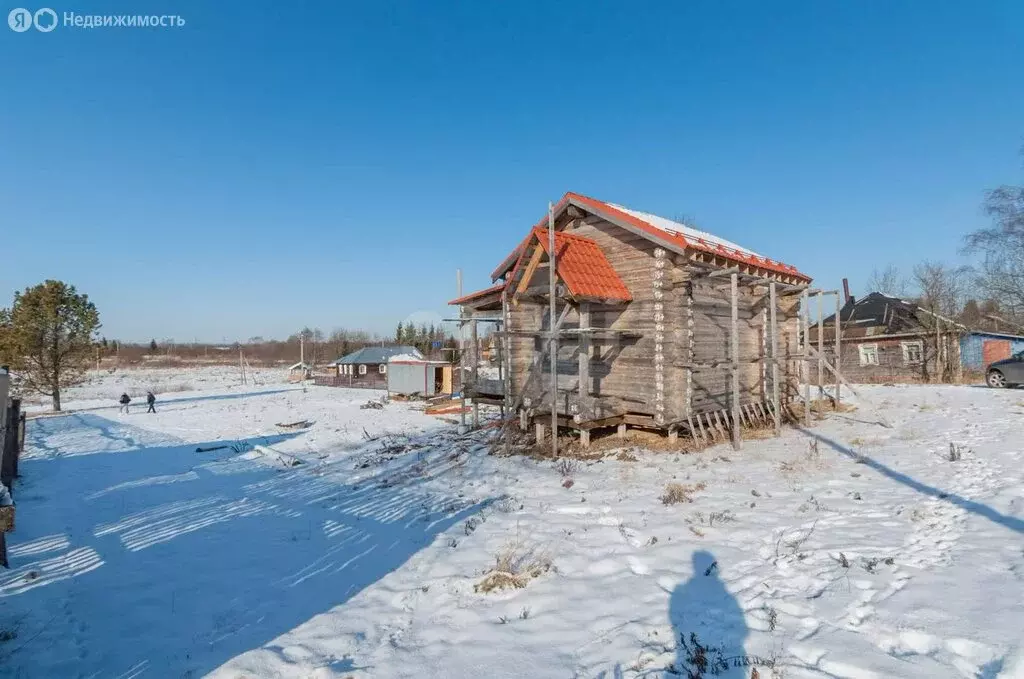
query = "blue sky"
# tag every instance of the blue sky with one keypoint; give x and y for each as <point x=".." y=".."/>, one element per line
<point x="274" y="165"/>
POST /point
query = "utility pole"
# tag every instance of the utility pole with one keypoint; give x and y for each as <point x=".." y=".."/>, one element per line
<point x="302" y="347"/>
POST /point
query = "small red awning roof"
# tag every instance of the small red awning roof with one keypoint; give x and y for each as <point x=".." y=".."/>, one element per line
<point x="477" y="295"/>
<point x="581" y="264"/>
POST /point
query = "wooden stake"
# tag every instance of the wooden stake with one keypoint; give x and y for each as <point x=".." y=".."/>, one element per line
<point x="736" y="438"/>
<point x="552" y="263"/>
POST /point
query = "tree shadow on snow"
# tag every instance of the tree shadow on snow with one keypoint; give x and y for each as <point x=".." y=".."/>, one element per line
<point x="184" y="560"/>
<point x="978" y="508"/>
<point x="709" y="625"/>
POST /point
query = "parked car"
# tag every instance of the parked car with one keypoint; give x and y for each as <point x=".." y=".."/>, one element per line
<point x="1008" y="372"/>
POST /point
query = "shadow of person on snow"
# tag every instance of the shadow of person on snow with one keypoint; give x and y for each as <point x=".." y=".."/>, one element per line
<point x="709" y="625"/>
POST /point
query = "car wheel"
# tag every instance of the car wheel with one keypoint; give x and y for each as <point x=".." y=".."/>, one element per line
<point x="996" y="379"/>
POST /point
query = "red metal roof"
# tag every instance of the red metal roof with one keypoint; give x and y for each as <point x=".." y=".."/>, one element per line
<point x="476" y="295"/>
<point x="581" y="264"/>
<point x="679" y="239"/>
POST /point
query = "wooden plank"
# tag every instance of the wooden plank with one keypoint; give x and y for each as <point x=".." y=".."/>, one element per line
<point x="735" y="335"/>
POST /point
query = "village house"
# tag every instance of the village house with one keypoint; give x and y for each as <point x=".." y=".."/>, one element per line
<point x="657" y="324"/>
<point x="885" y="339"/>
<point x="370" y="363"/>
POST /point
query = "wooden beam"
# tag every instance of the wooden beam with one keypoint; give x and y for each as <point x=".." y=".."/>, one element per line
<point x="735" y="341"/>
<point x="531" y="268"/>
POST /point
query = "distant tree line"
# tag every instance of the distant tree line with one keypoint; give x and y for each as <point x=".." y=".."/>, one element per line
<point x="313" y="344"/>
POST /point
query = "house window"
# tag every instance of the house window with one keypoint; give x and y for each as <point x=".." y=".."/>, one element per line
<point x="912" y="351"/>
<point x="382" y="368"/>
<point x="868" y="354"/>
<point x="362" y="368"/>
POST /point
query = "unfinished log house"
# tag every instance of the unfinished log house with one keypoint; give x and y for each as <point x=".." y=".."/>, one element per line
<point x="657" y="325"/>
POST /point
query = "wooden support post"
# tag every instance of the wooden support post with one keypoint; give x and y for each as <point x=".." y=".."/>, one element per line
<point x="736" y="438"/>
<point x="462" y="370"/>
<point x="524" y="420"/>
<point x="720" y="426"/>
<point x="821" y="350"/>
<point x="693" y="432"/>
<point x="805" y="304"/>
<point x="585" y="438"/>
<point x="775" y="357"/>
<point x="538" y="430"/>
<point x="584" y="353"/>
<point x="552" y="284"/>
<point x="475" y="372"/>
<point x="621" y="430"/>
<point x="673" y="435"/>
<point x="839" y="348"/>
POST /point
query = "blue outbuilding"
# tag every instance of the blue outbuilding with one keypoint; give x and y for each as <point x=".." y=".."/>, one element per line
<point x="978" y="349"/>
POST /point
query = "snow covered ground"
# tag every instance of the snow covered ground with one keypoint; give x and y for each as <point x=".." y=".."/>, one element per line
<point x="850" y="550"/>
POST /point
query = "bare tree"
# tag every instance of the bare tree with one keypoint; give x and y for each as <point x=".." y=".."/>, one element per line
<point x="942" y="289"/>
<point x="1000" y="272"/>
<point x="888" y="281"/>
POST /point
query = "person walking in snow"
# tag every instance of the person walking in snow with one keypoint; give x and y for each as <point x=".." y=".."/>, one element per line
<point x="151" y="400"/>
<point x="124" y="401"/>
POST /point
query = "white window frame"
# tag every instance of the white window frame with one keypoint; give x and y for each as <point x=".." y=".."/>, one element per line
<point x="906" y="346"/>
<point x="868" y="354"/>
<point x="382" y="369"/>
<point x="362" y="368"/>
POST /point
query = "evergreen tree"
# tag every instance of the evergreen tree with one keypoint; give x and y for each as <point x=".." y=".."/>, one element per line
<point x="47" y="337"/>
<point x="398" y="333"/>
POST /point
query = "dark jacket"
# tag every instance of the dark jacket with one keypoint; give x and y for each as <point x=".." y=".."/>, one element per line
<point x="125" y="399"/>
<point x="150" y="399"/>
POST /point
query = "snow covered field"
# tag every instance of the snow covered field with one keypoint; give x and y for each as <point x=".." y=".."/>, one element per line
<point x="851" y="550"/>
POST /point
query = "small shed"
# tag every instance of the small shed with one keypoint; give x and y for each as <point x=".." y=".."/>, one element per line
<point x="299" y="371"/>
<point x="978" y="349"/>
<point x="410" y="375"/>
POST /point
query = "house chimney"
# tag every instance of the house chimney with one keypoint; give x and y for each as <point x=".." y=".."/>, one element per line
<point x="846" y="291"/>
